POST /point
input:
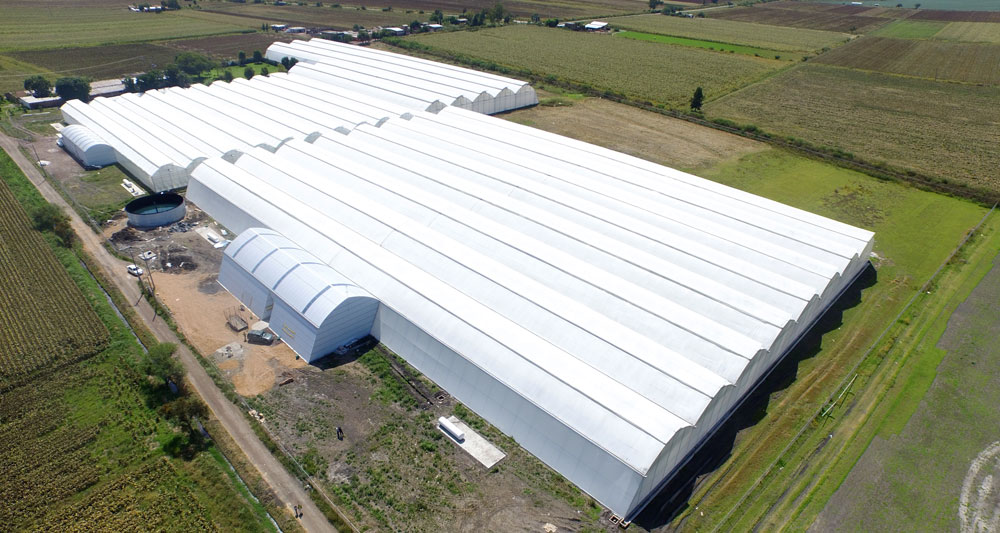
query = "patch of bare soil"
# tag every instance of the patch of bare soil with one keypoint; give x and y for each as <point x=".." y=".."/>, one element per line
<point x="396" y="471"/>
<point x="644" y="134"/>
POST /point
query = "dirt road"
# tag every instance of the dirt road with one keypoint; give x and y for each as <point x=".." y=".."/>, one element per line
<point x="288" y="489"/>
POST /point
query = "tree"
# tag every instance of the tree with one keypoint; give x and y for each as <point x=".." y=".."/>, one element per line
<point x="193" y="64"/>
<point x="654" y="3"/>
<point x="363" y="36"/>
<point x="73" y="88"/>
<point x="415" y="26"/>
<point x="552" y="23"/>
<point x="38" y="85"/>
<point x="243" y="58"/>
<point x="129" y="83"/>
<point x="257" y="56"/>
<point x="264" y="72"/>
<point x="228" y="76"/>
<point x="437" y="17"/>
<point x="160" y="363"/>
<point x="149" y="80"/>
<point x="175" y="77"/>
<point x="248" y="73"/>
<point x="697" y="99"/>
<point x="49" y="217"/>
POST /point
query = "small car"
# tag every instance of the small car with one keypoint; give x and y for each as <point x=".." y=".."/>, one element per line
<point x="134" y="270"/>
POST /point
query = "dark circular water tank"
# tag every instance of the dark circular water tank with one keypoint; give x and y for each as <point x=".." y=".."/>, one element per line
<point x="156" y="210"/>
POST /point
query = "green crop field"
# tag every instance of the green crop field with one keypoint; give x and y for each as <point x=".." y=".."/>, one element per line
<point x="84" y="445"/>
<point x="32" y="28"/>
<point x="803" y="15"/>
<point x="941" y="129"/>
<point x="44" y="320"/>
<point x="973" y="32"/>
<point x="639" y="69"/>
<point x="709" y="45"/>
<point x="911" y="29"/>
<point x="963" y="62"/>
<point x="734" y="32"/>
<point x="914" y="233"/>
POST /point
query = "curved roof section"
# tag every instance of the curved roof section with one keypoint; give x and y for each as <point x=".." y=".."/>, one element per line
<point x="306" y="284"/>
<point x="83" y="137"/>
<point x="404" y="79"/>
<point x="160" y="131"/>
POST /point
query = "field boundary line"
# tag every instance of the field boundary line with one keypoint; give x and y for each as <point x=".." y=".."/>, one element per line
<point x="852" y="373"/>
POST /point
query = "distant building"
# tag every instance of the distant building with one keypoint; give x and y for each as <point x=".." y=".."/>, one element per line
<point x="395" y="30"/>
<point x="106" y="88"/>
<point x="434" y="27"/>
<point x="596" y="26"/>
<point x="32" y="102"/>
<point x="296" y="29"/>
<point x="279" y="27"/>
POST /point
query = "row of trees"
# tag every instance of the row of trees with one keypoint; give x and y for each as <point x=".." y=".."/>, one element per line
<point x="67" y="88"/>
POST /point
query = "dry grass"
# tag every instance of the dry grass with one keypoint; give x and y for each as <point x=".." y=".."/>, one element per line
<point x="975" y="32"/>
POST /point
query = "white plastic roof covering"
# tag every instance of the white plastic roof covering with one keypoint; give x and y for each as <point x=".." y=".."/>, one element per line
<point x="307" y="285"/>
<point x="627" y="295"/>
<point x="177" y="128"/>
<point x="425" y="85"/>
<point x="87" y="147"/>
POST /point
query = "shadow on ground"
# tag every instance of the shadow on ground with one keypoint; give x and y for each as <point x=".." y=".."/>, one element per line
<point x="673" y="497"/>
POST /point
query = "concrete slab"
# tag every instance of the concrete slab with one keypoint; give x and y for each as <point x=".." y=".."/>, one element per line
<point x="474" y="444"/>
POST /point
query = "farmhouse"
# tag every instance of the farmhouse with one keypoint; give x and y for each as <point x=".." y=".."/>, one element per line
<point x="606" y="312"/>
<point x="596" y="26"/>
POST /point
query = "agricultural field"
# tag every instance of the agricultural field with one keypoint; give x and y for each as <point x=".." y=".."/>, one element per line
<point x="85" y="445"/>
<point x="935" y="450"/>
<point x="228" y="46"/>
<point x="991" y="15"/>
<point x="13" y="73"/>
<point x="709" y="45"/>
<point x="911" y="29"/>
<point x="940" y="60"/>
<point x="915" y="231"/>
<point x="669" y="73"/>
<point x="339" y="18"/>
<point x="970" y="32"/>
<point x="32" y="28"/>
<point x="945" y="130"/>
<point x="733" y="32"/>
<point x="46" y="322"/>
<point x="114" y="61"/>
<point x="802" y="15"/>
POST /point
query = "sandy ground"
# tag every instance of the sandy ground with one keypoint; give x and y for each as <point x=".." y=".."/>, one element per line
<point x="668" y="141"/>
<point x="199" y="306"/>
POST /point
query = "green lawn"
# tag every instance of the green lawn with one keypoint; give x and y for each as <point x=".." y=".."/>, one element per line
<point x="710" y="45"/>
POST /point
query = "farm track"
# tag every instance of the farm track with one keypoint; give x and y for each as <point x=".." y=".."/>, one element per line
<point x="288" y="489"/>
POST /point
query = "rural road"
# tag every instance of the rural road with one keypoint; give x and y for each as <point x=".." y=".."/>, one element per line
<point x="288" y="489"/>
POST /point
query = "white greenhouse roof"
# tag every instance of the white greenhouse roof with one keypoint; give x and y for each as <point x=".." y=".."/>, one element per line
<point x="425" y="85"/>
<point x="619" y="296"/>
<point x="177" y="127"/>
<point x="310" y="287"/>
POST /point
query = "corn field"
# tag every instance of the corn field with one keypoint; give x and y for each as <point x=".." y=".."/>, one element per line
<point x="44" y="319"/>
